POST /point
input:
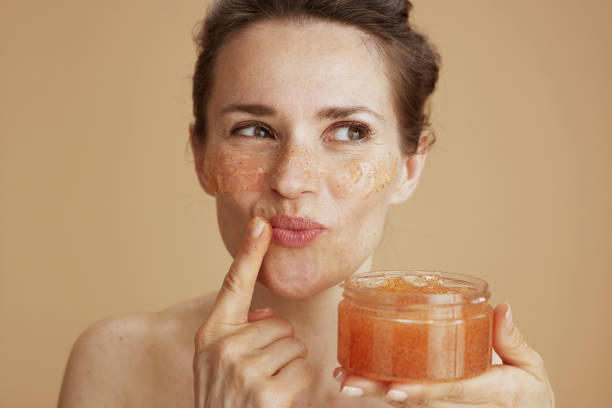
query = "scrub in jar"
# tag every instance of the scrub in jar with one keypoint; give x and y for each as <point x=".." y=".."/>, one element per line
<point x="415" y="326"/>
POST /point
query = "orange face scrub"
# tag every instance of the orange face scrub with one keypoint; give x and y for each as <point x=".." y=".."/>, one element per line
<point x="415" y="326"/>
<point x="236" y="170"/>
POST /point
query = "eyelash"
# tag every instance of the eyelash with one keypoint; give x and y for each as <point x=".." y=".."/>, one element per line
<point x="368" y="132"/>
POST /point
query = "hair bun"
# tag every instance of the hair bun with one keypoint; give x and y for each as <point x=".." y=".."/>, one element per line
<point x="406" y="8"/>
<point x="400" y="10"/>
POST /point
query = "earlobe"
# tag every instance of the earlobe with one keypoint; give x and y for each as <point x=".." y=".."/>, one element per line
<point x="198" y="161"/>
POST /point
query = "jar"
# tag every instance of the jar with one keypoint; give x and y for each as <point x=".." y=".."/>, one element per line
<point x="415" y="326"/>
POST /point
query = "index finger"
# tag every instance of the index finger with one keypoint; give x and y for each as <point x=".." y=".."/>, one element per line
<point x="234" y="298"/>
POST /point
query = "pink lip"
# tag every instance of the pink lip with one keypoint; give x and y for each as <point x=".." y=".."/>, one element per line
<point x="295" y="232"/>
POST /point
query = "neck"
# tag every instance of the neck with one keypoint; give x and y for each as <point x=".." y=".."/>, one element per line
<point x="310" y="315"/>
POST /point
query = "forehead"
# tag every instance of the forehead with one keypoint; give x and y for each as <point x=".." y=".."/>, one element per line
<point x="298" y="68"/>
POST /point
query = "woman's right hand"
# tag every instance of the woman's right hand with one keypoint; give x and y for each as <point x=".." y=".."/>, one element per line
<point x="247" y="359"/>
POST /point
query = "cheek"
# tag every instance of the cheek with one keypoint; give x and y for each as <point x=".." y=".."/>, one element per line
<point x="234" y="172"/>
<point x="359" y="179"/>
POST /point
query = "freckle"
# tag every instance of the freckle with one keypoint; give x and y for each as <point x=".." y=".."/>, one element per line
<point x="120" y="338"/>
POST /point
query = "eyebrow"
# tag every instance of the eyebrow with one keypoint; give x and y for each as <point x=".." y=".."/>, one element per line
<point x="330" y="112"/>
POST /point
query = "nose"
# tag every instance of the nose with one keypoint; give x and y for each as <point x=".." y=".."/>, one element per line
<point x="295" y="173"/>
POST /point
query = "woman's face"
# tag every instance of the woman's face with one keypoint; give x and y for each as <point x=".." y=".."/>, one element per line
<point x="301" y="124"/>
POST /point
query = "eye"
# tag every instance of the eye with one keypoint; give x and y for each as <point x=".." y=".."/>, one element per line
<point x="253" y="131"/>
<point x="351" y="132"/>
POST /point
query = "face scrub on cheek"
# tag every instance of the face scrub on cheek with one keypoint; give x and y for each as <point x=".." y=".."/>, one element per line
<point x="234" y="172"/>
<point x="242" y="171"/>
<point x="415" y="326"/>
<point x="359" y="179"/>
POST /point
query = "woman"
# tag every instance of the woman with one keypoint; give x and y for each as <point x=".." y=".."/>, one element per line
<point x="309" y="122"/>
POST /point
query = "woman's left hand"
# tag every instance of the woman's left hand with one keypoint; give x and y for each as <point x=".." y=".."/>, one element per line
<point x="521" y="380"/>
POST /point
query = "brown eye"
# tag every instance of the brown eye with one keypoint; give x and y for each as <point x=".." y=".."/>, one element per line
<point x="350" y="133"/>
<point x="356" y="134"/>
<point x="254" y="131"/>
<point x="260" y="132"/>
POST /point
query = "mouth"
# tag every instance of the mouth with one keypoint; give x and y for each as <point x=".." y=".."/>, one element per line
<point x="295" y="232"/>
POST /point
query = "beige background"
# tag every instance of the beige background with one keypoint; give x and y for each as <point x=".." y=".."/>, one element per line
<point x="101" y="213"/>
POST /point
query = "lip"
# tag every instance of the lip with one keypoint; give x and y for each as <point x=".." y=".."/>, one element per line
<point x="295" y="232"/>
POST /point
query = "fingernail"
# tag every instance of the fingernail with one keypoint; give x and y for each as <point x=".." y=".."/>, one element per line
<point x="508" y="317"/>
<point x="352" y="391"/>
<point x="397" y="395"/>
<point x="256" y="227"/>
<point x="340" y="375"/>
<point x="261" y="310"/>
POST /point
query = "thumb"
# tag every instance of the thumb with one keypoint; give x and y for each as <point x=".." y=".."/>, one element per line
<point x="510" y="344"/>
<point x="234" y="298"/>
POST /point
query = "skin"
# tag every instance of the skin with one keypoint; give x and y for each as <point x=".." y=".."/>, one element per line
<point x="302" y="166"/>
<point x="219" y="350"/>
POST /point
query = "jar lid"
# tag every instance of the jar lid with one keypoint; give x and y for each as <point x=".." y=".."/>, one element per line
<point x="415" y="288"/>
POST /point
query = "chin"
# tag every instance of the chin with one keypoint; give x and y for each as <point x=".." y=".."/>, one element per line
<point x="294" y="280"/>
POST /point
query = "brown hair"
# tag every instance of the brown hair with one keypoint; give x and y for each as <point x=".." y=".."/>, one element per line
<point x="412" y="62"/>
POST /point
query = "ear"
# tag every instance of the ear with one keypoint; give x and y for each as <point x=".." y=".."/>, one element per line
<point x="198" y="160"/>
<point x="410" y="173"/>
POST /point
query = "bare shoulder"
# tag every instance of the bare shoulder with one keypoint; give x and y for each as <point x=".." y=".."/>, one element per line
<point x="118" y="355"/>
<point x="94" y="373"/>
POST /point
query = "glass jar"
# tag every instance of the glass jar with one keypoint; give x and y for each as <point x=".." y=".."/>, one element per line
<point x="414" y="326"/>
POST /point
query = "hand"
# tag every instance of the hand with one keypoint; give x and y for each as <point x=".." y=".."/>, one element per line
<point x="520" y="382"/>
<point x="247" y="359"/>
